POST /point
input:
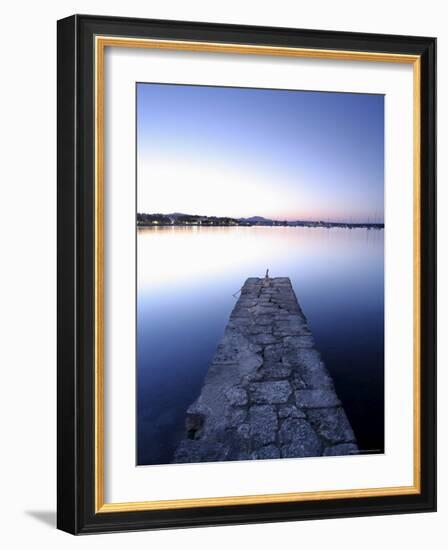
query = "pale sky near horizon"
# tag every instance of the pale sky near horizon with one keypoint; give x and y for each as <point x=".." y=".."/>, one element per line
<point x="241" y="152"/>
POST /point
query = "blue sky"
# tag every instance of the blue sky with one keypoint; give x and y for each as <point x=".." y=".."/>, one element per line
<point x="243" y="152"/>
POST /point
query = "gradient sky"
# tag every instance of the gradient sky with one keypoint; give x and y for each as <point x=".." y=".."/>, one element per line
<point x="244" y="152"/>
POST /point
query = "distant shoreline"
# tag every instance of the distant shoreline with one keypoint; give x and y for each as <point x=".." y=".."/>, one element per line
<point x="308" y="226"/>
<point x="187" y="220"/>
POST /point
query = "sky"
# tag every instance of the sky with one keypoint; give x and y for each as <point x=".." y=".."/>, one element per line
<point x="242" y="152"/>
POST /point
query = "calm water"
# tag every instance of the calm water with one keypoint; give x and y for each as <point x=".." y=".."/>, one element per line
<point x="186" y="278"/>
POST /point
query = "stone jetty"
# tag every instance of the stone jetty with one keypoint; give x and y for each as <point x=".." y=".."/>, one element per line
<point x="267" y="393"/>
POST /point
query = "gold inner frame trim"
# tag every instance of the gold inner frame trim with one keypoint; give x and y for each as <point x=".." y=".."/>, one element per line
<point x="101" y="42"/>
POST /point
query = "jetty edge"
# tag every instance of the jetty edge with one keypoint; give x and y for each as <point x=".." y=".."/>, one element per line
<point x="267" y="393"/>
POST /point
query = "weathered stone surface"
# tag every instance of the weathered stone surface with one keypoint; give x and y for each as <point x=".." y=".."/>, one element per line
<point x="273" y="353"/>
<point x="297" y="381"/>
<point x="265" y="453"/>
<point x="244" y="431"/>
<point x="270" y="392"/>
<point x="290" y="411"/>
<point x="237" y="396"/>
<point x="294" y="343"/>
<point x="236" y="417"/>
<point x="299" y="439"/>
<point x="265" y="339"/>
<point x="264" y="424"/>
<point x="332" y="424"/>
<point x="302" y="449"/>
<point x="267" y="393"/>
<point x="287" y="327"/>
<point x="309" y="364"/>
<point x="193" y="425"/>
<point x="314" y="399"/>
<point x="200" y="451"/>
<point x="273" y="371"/>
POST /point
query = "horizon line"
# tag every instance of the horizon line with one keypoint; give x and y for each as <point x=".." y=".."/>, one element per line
<point x="260" y="218"/>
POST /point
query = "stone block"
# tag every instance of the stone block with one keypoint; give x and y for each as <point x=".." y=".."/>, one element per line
<point x="316" y="399"/>
<point x="299" y="439"/>
<point x="270" y="392"/>
<point x="263" y="424"/>
<point x="332" y="424"/>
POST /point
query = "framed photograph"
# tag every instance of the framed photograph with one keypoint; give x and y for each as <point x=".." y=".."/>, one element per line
<point x="246" y="274"/>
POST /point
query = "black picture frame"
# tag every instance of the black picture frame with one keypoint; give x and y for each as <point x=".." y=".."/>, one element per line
<point x="76" y="285"/>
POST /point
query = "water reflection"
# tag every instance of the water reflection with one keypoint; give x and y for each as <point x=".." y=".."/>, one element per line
<point x="186" y="279"/>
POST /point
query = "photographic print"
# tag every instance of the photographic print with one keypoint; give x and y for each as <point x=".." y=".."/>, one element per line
<point x="260" y="273"/>
<point x="246" y="274"/>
